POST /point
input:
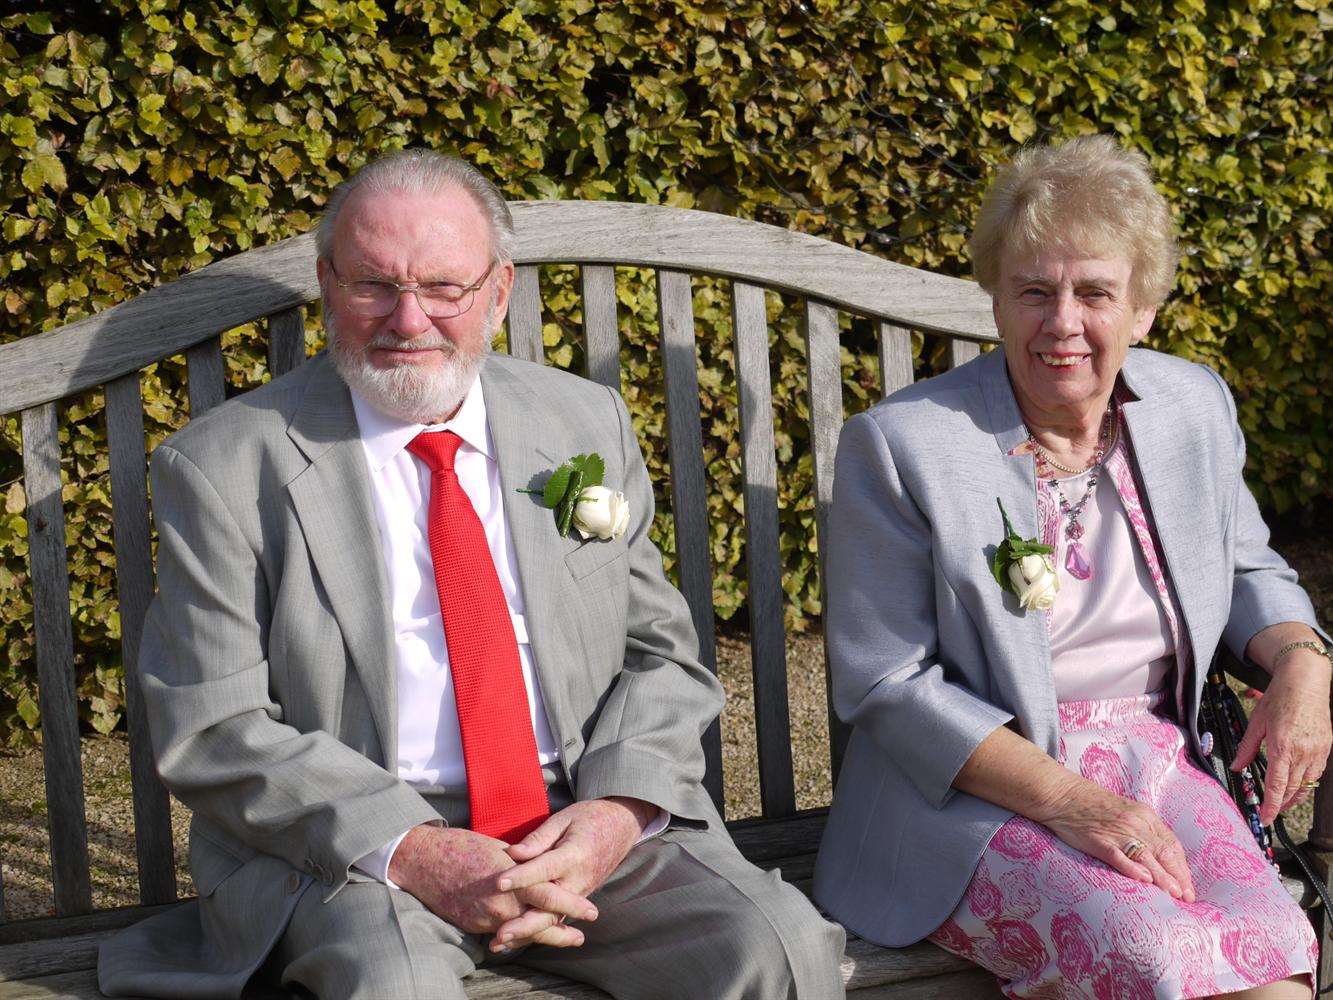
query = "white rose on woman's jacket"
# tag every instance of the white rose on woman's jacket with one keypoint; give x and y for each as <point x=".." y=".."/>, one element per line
<point x="1034" y="581"/>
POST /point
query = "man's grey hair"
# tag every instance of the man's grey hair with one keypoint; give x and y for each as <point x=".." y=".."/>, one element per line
<point x="423" y="171"/>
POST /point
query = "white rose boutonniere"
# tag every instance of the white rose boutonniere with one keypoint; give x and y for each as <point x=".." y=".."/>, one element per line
<point x="601" y="512"/>
<point x="576" y="494"/>
<point x="1023" y="566"/>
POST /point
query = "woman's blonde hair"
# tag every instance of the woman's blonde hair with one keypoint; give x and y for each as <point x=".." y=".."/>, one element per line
<point x="1088" y="195"/>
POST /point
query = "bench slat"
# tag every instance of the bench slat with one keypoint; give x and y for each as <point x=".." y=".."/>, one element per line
<point x="689" y="506"/>
<point x="55" y="661"/>
<point x="895" y="358"/>
<point x="134" y="585"/>
<point x="207" y="375"/>
<point x="286" y="340"/>
<point x="918" y="972"/>
<point x="823" y="359"/>
<point x="601" y="337"/>
<point x="768" y="645"/>
<point x="524" y="319"/>
<point x="961" y="352"/>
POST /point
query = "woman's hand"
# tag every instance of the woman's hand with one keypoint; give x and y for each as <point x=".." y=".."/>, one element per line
<point x="1014" y="773"/>
<point x="1292" y="720"/>
<point x="1102" y="824"/>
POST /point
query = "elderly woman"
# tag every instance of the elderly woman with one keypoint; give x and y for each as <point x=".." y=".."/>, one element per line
<point x="1023" y="783"/>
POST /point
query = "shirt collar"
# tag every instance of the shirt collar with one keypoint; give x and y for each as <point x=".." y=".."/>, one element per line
<point x="383" y="436"/>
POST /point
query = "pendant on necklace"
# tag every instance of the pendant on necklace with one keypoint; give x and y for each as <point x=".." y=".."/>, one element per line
<point x="1076" y="561"/>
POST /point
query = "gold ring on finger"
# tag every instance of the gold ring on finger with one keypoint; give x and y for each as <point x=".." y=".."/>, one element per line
<point x="1132" y="849"/>
<point x="1311" y="785"/>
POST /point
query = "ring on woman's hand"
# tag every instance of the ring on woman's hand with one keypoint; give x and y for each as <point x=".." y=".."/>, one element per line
<point x="1132" y="849"/>
<point x="1310" y="784"/>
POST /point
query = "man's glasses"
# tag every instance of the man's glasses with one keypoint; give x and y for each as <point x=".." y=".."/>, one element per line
<point x="376" y="298"/>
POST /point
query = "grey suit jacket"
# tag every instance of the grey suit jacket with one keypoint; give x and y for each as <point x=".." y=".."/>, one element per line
<point x="929" y="655"/>
<point x="267" y="665"/>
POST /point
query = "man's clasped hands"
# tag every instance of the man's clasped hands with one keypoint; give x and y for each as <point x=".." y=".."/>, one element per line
<point x="522" y="893"/>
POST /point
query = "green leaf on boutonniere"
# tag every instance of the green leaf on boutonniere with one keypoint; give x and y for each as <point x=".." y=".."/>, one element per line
<point x="561" y="491"/>
<point x="557" y="486"/>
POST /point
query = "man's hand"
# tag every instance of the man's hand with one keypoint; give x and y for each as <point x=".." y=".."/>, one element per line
<point x="453" y="872"/>
<point x="577" y="849"/>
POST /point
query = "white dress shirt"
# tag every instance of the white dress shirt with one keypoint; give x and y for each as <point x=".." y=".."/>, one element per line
<point x="430" y="748"/>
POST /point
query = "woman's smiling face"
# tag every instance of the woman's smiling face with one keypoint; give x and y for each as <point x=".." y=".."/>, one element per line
<point x="1067" y="322"/>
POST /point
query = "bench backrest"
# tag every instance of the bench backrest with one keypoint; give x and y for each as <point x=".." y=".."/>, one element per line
<point x="275" y="283"/>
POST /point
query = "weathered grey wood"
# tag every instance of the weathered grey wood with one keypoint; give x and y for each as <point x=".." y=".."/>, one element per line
<point x="823" y="361"/>
<point x="45" y="928"/>
<point x="509" y="982"/>
<point x="54" y="955"/>
<point x="961" y="352"/>
<point x="55" y="661"/>
<point x="865" y="964"/>
<point x="895" y="358"/>
<point x="524" y="319"/>
<point x="768" y="636"/>
<point x="240" y="289"/>
<point x="601" y="337"/>
<point x="689" y="506"/>
<point x="134" y="585"/>
<point x="1321" y="831"/>
<point x="973" y="984"/>
<point x="655" y="236"/>
<point x="762" y="840"/>
<point x="207" y="385"/>
<point x="157" y="324"/>
<point x="286" y="340"/>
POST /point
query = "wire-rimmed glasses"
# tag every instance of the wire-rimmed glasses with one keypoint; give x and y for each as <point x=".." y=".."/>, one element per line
<point x="375" y="298"/>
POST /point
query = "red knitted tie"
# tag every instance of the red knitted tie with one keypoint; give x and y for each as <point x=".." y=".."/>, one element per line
<point x="504" y="777"/>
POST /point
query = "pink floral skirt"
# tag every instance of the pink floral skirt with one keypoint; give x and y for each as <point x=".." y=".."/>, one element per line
<point x="1050" y="921"/>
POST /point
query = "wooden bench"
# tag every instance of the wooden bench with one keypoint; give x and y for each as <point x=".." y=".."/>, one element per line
<point x="57" y="956"/>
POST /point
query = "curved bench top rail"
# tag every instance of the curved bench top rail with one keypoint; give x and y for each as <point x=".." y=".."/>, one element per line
<point x="173" y="317"/>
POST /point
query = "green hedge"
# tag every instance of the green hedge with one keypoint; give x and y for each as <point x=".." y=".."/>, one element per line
<point x="142" y="140"/>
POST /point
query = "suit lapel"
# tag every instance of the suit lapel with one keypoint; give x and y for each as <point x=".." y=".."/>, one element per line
<point x="1021" y="638"/>
<point x="333" y="503"/>
<point x="1167" y="464"/>
<point x="517" y="418"/>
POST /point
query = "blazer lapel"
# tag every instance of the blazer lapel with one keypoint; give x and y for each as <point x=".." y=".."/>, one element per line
<point x="1167" y="467"/>
<point x="333" y="503"/>
<point x="1021" y="638"/>
<point x="517" y="419"/>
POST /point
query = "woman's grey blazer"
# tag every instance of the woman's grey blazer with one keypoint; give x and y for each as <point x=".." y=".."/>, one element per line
<point x="928" y="655"/>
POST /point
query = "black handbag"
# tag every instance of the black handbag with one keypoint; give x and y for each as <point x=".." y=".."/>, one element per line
<point x="1222" y="723"/>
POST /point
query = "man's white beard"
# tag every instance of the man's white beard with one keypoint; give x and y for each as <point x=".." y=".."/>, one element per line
<point x="407" y="392"/>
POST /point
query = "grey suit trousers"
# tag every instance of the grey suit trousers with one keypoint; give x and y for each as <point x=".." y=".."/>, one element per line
<point x="685" y="916"/>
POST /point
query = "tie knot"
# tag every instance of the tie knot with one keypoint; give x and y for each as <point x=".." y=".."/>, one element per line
<point x="436" y="448"/>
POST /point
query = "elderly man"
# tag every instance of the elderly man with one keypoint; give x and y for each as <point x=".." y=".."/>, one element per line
<point x="418" y="726"/>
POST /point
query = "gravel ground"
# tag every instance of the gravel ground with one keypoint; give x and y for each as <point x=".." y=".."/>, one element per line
<point x="26" y="866"/>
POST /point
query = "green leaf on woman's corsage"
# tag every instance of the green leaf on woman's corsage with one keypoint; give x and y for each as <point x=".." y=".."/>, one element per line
<point x="561" y="492"/>
<point x="1023" y="567"/>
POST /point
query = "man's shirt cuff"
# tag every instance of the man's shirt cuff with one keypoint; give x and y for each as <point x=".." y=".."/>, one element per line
<point x="655" y="826"/>
<point x="376" y="863"/>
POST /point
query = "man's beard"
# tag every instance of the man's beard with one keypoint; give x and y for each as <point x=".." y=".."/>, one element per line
<point x="405" y="391"/>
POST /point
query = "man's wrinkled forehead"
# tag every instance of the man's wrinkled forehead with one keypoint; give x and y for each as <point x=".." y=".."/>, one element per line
<point x="384" y="218"/>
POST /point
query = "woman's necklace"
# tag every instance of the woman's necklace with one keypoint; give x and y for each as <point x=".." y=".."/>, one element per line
<point x="1076" y="558"/>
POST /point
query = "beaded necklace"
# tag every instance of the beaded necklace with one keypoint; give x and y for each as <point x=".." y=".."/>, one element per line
<point x="1077" y="562"/>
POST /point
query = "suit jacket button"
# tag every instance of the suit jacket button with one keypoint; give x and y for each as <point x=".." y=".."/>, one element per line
<point x="292" y="883"/>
